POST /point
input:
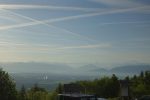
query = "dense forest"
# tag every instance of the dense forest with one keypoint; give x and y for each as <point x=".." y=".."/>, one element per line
<point x="105" y="87"/>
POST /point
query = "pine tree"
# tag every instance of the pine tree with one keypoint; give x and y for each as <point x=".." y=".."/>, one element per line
<point x="23" y="93"/>
<point x="7" y="87"/>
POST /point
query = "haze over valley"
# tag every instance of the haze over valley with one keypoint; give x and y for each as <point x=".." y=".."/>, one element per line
<point x="50" y="75"/>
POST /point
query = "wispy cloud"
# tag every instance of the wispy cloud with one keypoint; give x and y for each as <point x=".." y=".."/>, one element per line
<point x="88" y="46"/>
<point x="4" y="43"/>
<point x="119" y="3"/>
<point x="72" y="17"/>
<point x="22" y="47"/>
<point x="114" y="23"/>
<point x="51" y="26"/>
<point x="8" y="19"/>
<point x="49" y="7"/>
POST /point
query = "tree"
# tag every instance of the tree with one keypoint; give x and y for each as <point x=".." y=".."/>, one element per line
<point x="59" y="89"/>
<point x="37" y="93"/>
<point x="115" y="89"/>
<point x="147" y="77"/>
<point x="22" y="93"/>
<point x="142" y="74"/>
<point x="7" y="87"/>
<point x="36" y="88"/>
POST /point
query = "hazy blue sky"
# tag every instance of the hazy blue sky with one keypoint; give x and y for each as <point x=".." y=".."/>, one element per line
<point x="104" y="32"/>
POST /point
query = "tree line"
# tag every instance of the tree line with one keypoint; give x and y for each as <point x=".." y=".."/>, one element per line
<point x="106" y="87"/>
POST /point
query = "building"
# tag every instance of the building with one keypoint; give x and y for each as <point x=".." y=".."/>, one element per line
<point x="76" y="97"/>
<point x="124" y="89"/>
<point x="75" y="92"/>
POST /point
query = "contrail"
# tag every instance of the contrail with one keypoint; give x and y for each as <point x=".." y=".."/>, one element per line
<point x="88" y="46"/>
<point x="118" y="3"/>
<point x="47" y="48"/>
<point x="112" y="23"/>
<point x="41" y="22"/>
<point x="49" y="7"/>
<point x="71" y="18"/>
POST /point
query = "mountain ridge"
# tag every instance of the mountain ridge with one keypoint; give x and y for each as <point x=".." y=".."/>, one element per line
<point x="31" y="67"/>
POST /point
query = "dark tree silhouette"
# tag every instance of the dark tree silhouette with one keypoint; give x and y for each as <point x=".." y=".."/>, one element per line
<point x="36" y="88"/>
<point x="7" y="87"/>
<point x="22" y="93"/>
<point x="59" y="89"/>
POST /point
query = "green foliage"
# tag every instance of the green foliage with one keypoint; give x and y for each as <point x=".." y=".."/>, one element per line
<point x="107" y="87"/>
<point x="22" y="94"/>
<point x="7" y="87"/>
<point x="140" y="85"/>
<point x="59" y="89"/>
<point x="104" y="87"/>
<point x="114" y="98"/>
<point x="36" y="88"/>
<point x="53" y="96"/>
<point x="37" y="93"/>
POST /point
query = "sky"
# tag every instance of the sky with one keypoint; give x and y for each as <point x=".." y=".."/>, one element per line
<point x="103" y="32"/>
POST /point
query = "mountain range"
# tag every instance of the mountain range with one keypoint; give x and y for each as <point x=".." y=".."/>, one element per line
<point x="49" y="75"/>
<point x="56" y="68"/>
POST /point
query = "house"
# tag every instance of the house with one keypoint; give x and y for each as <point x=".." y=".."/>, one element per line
<point x="124" y="89"/>
<point x="76" y="97"/>
<point x="75" y="92"/>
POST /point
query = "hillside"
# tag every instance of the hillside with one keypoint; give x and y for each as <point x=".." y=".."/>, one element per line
<point x="54" y="68"/>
